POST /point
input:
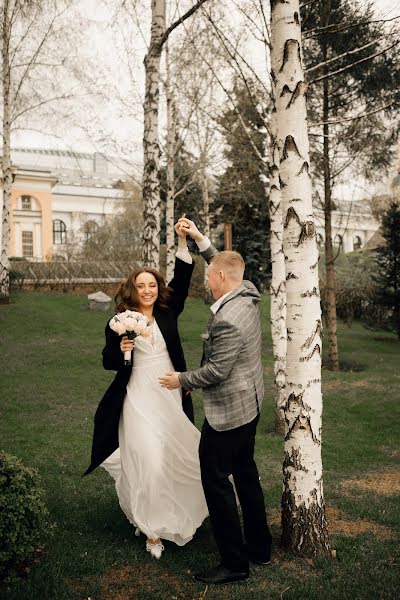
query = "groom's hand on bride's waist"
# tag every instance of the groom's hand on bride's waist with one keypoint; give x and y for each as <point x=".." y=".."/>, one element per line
<point x="170" y="381"/>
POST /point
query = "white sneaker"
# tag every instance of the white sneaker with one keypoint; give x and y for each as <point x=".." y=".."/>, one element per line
<point x="155" y="549"/>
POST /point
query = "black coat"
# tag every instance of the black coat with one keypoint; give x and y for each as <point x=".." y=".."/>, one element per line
<point x="106" y="420"/>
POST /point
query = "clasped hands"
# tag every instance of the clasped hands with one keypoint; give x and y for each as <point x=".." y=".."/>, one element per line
<point x="187" y="227"/>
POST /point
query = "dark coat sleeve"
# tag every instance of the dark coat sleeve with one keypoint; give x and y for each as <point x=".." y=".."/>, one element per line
<point x="180" y="283"/>
<point x="113" y="358"/>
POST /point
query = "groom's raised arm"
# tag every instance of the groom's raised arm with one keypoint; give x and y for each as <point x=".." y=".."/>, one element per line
<point x="207" y="250"/>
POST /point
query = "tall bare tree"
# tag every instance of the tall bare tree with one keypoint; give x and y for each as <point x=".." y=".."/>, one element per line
<point x="304" y="529"/>
<point x="151" y="148"/>
<point x="27" y="28"/>
<point x="170" y="170"/>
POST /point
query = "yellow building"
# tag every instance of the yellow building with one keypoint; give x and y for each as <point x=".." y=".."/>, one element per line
<point x="59" y="197"/>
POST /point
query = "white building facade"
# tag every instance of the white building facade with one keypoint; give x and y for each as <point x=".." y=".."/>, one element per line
<point x="61" y="197"/>
<point x="353" y="225"/>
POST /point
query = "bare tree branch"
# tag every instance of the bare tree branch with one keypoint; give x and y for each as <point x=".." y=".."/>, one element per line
<point x="329" y="28"/>
<point x="174" y="25"/>
<point x="356" y="117"/>
<point x="347" y="53"/>
<point x="347" y="67"/>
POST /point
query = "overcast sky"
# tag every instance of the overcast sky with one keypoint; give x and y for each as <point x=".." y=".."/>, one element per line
<point x="388" y="8"/>
<point x="96" y="45"/>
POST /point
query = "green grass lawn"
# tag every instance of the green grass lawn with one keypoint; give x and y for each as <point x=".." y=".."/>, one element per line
<point x="51" y="382"/>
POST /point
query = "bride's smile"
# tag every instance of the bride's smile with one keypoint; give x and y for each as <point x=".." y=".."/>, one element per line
<point x="147" y="289"/>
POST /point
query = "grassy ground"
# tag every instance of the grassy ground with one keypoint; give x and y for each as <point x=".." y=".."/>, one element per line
<point x="50" y="385"/>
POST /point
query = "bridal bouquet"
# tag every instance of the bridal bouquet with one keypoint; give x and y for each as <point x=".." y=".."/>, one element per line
<point x="131" y="324"/>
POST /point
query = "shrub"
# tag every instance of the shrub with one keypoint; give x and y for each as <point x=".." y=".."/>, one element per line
<point x="16" y="279"/>
<point x="23" y="514"/>
<point x="355" y="288"/>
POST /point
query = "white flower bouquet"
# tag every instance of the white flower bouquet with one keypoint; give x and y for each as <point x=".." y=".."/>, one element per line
<point x="131" y="324"/>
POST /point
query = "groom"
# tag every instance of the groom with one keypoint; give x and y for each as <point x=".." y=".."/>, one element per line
<point x="231" y="377"/>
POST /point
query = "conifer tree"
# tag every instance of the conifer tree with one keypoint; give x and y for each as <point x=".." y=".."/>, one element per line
<point x="388" y="263"/>
<point x="240" y="198"/>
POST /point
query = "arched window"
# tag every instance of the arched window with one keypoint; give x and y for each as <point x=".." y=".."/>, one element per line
<point x="338" y="241"/>
<point x="320" y="240"/>
<point x="90" y="229"/>
<point x="59" y="232"/>
<point x="357" y="243"/>
<point x="26" y="203"/>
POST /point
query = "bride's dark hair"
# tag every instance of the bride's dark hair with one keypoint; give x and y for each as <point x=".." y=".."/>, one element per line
<point x="126" y="297"/>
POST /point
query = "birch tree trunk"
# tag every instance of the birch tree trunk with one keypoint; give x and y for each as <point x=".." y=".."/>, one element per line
<point x="171" y="137"/>
<point x="304" y="529"/>
<point x="6" y="163"/>
<point x="206" y="212"/>
<point x="151" y="148"/>
<point x="331" y="321"/>
<point x="278" y="281"/>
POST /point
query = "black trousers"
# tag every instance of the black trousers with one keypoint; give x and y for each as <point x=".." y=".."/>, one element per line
<point x="232" y="452"/>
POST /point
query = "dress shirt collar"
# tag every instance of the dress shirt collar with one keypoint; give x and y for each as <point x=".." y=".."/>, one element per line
<point x="214" y="307"/>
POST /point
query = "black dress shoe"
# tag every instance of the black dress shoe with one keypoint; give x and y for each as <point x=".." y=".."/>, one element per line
<point x="219" y="575"/>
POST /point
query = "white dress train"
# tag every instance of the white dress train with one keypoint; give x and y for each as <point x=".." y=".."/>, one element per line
<point x="156" y="468"/>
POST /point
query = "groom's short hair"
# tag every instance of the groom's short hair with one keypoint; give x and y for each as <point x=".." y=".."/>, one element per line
<point x="230" y="262"/>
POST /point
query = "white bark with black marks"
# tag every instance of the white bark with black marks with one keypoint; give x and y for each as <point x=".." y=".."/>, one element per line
<point x="278" y="280"/>
<point x="170" y="202"/>
<point x="6" y="162"/>
<point x="206" y="213"/>
<point x="151" y="148"/>
<point x="304" y="529"/>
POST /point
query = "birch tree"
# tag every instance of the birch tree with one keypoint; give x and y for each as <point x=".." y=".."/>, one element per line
<point x="27" y="29"/>
<point x="171" y="139"/>
<point x="304" y="529"/>
<point x="189" y="85"/>
<point x="151" y="148"/>
<point x="278" y="279"/>
<point x="204" y="137"/>
<point x="258" y="27"/>
<point x="6" y="26"/>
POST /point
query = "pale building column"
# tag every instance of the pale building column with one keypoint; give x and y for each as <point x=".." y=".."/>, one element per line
<point x="37" y="241"/>
<point x="17" y="240"/>
<point x="348" y="240"/>
<point x="76" y="224"/>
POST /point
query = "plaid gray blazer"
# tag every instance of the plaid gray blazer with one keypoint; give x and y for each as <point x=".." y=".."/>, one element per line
<point x="231" y="373"/>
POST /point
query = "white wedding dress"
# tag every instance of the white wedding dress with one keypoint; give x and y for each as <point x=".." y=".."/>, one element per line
<point x="156" y="468"/>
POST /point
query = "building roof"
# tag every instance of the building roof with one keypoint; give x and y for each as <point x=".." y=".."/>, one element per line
<point x="73" y="168"/>
<point x="53" y="152"/>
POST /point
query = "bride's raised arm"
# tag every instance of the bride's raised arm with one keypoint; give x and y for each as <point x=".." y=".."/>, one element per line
<point x="183" y="270"/>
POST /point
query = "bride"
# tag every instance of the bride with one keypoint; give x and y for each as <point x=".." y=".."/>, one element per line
<point x="144" y="436"/>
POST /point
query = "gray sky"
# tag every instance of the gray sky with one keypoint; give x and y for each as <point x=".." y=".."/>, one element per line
<point x="388" y="8"/>
<point x="98" y="48"/>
